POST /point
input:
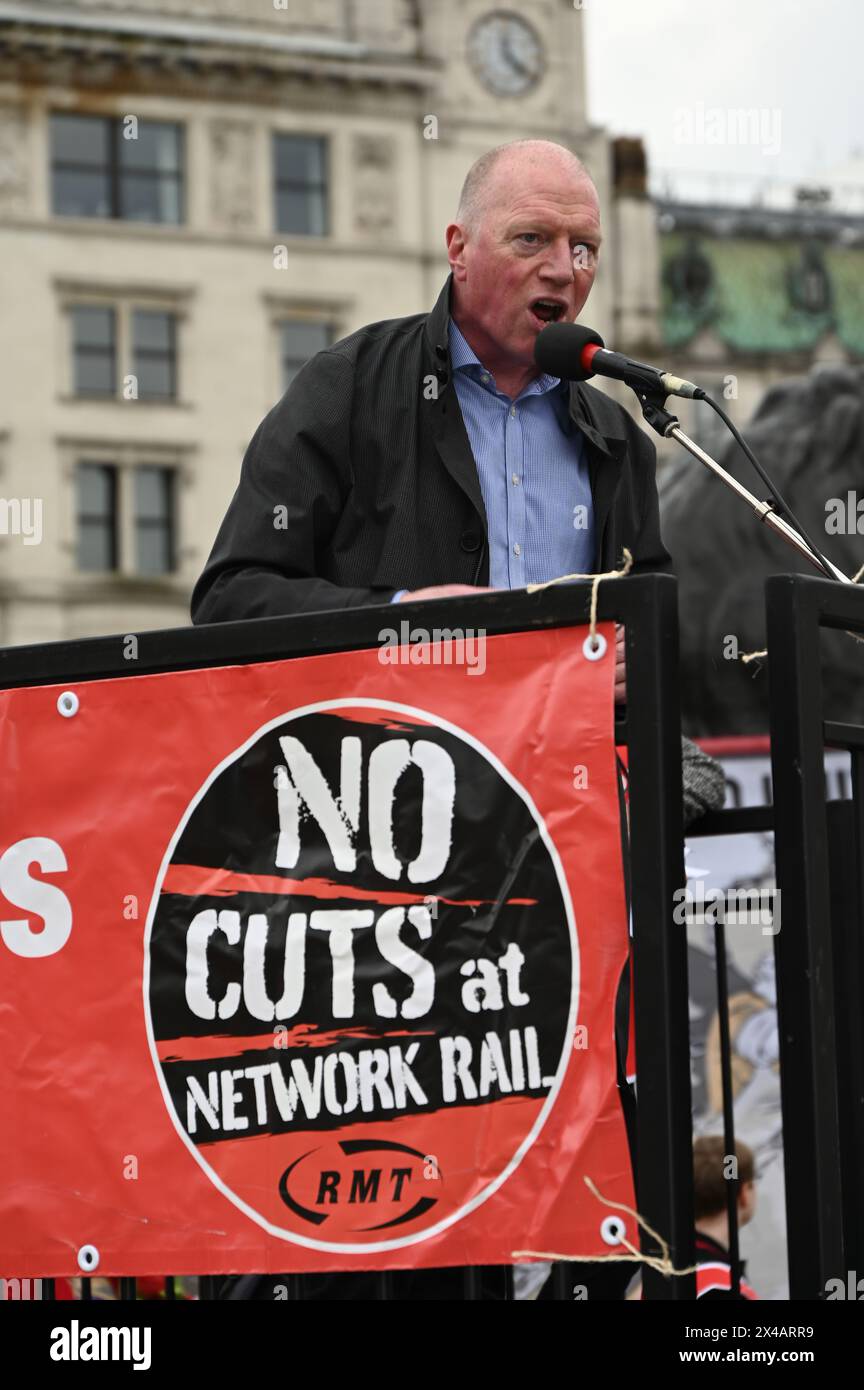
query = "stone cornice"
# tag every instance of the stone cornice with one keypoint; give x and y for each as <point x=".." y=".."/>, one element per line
<point x="174" y="48"/>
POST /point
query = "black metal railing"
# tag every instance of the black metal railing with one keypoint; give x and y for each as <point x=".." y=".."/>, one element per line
<point x="820" y="981"/>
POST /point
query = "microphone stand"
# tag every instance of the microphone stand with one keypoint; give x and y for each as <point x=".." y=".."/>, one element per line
<point x="668" y="427"/>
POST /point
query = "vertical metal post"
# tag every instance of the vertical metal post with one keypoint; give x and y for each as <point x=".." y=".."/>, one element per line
<point x="664" y="1169"/>
<point x="854" y="981"/>
<point x="846" y="862"/>
<point x="803" y="950"/>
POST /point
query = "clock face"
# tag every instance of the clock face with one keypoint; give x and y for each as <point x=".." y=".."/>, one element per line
<point x="507" y="53"/>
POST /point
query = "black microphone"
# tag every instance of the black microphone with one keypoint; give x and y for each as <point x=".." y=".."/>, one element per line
<point x="573" y="352"/>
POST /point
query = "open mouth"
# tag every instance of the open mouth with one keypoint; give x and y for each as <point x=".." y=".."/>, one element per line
<point x="547" y="310"/>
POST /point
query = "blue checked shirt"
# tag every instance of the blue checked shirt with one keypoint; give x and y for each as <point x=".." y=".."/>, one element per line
<point x="533" y="474"/>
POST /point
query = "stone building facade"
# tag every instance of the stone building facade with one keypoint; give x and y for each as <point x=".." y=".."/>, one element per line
<point x="195" y="195"/>
<point x="193" y="198"/>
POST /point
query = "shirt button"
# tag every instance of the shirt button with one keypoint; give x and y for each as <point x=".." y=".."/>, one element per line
<point x="485" y="378"/>
<point x="517" y="549"/>
<point x="515" y="479"/>
<point x="513" y="412"/>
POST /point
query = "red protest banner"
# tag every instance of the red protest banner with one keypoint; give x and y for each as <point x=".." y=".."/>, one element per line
<point x="311" y="964"/>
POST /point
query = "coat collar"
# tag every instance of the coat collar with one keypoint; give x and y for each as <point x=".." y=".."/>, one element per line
<point x="606" y="434"/>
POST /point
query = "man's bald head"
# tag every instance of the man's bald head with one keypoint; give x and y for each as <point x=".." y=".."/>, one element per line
<point x="491" y="177"/>
<point x="523" y="252"/>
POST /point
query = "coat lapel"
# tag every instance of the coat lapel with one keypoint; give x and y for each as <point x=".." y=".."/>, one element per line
<point x="605" y="452"/>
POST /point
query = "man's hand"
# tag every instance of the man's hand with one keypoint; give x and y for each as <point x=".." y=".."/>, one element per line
<point x="444" y="591"/>
<point x="620" y="667"/>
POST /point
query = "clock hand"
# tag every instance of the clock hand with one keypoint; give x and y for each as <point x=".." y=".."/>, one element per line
<point x="511" y="56"/>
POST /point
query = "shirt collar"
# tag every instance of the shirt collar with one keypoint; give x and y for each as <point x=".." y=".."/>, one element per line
<point x="463" y="358"/>
<point x="603" y="423"/>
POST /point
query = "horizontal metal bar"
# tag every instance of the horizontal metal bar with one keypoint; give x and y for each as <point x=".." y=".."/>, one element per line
<point x="829" y="604"/>
<point x="843" y="735"/>
<point x="310" y="634"/>
<point x="737" y="820"/>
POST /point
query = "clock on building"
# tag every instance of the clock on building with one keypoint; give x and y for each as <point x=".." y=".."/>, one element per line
<point x="506" y="52"/>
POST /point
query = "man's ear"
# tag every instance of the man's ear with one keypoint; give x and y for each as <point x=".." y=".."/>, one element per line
<point x="456" y="244"/>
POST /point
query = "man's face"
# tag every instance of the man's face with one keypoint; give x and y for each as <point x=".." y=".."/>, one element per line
<point x="531" y="260"/>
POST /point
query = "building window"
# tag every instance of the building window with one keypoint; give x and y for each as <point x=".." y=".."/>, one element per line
<point x="126" y="518"/>
<point x="151" y="175"/>
<point x="154" y="354"/>
<point x="94" y="350"/>
<point x="81" y="166"/>
<point x="97" y="516"/>
<point x="300" y="340"/>
<point x="121" y="350"/>
<point x="300" y="163"/>
<point x="105" y="166"/>
<point x="154" y="519"/>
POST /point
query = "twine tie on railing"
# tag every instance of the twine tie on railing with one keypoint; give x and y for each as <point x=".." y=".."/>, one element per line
<point x="597" y="580"/>
<point x="661" y="1263"/>
<point x="746" y="657"/>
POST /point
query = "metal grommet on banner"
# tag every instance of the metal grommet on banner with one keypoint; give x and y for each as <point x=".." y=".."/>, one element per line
<point x="67" y="704"/>
<point x="88" y="1258"/>
<point x="594" y="646"/>
<point x="613" y="1230"/>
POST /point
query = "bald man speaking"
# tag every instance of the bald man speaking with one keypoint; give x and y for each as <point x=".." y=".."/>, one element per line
<point x="427" y="456"/>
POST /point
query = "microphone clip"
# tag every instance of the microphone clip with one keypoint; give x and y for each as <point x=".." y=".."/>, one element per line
<point x="653" y="402"/>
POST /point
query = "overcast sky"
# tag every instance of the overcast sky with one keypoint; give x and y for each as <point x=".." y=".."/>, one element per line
<point x="799" y="63"/>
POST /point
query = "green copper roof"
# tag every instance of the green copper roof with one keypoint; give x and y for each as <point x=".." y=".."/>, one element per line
<point x="761" y="296"/>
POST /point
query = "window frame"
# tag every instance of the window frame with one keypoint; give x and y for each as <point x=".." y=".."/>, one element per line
<point x="324" y="187"/>
<point x="330" y="333"/>
<point x="124" y="301"/>
<point x="133" y="307"/>
<point x="113" y="516"/>
<point x="170" y="475"/>
<point x="115" y="170"/>
<point x="77" y="348"/>
<point x="337" y="313"/>
<point x="125" y="456"/>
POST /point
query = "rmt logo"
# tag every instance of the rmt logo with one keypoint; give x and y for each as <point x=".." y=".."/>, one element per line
<point x="391" y="1182"/>
<point x="364" y="1185"/>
